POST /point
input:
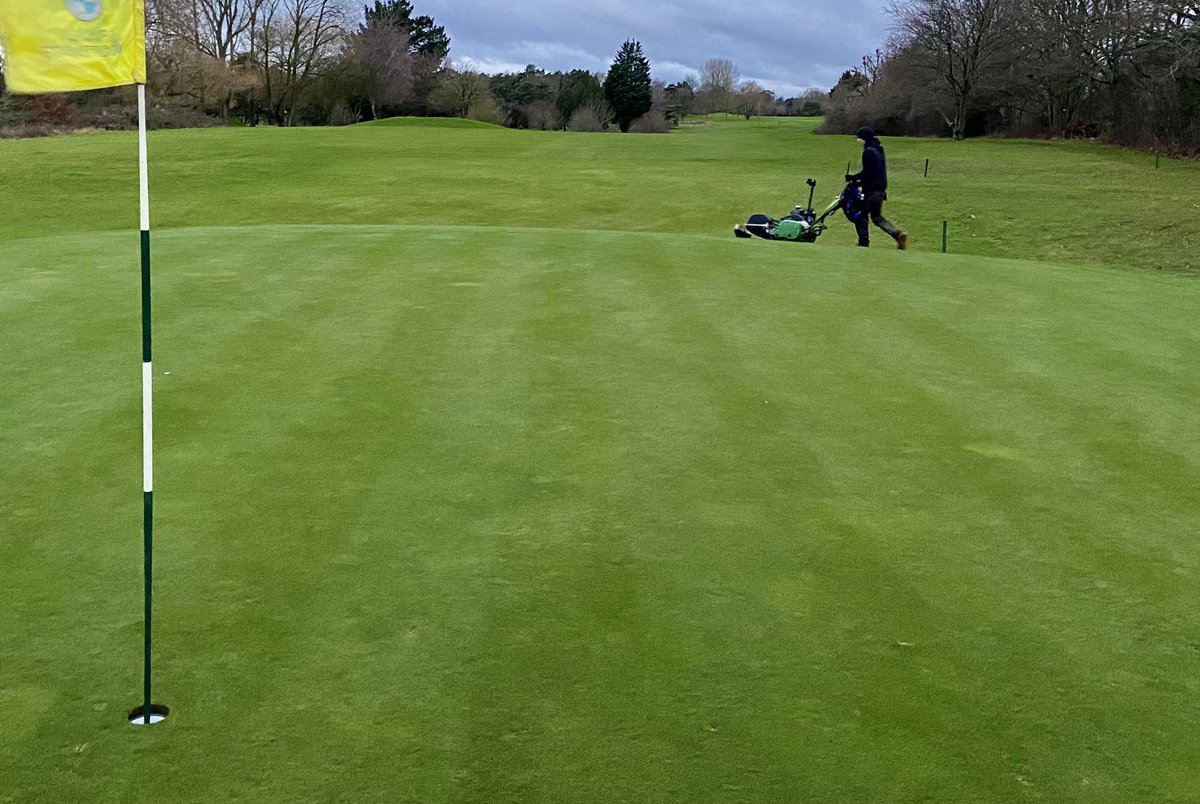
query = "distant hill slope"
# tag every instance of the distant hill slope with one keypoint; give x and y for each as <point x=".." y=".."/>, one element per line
<point x="428" y="122"/>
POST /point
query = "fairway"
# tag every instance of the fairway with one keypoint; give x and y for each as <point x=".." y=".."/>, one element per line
<point x="490" y="467"/>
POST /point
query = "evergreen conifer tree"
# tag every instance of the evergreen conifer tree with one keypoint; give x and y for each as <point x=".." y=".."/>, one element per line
<point x="627" y="86"/>
<point x="427" y="38"/>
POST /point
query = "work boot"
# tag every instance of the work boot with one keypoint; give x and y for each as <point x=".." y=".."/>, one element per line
<point x="902" y="241"/>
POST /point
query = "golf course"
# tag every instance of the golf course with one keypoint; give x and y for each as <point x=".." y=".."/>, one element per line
<point x="491" y="467"/>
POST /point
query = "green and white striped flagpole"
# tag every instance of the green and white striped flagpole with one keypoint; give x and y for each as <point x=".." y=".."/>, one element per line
<point x="149" y="712"/>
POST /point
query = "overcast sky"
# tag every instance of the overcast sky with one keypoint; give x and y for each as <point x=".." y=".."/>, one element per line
<point x="785" y="45"/>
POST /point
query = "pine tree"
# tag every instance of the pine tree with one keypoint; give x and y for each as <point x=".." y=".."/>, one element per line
<point x="627" y="86"/>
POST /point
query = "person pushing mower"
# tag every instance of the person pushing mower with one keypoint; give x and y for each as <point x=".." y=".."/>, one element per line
<point x="873" y="180"/>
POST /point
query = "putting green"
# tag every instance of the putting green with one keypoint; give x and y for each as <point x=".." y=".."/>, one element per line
<point x="463" y="512"/>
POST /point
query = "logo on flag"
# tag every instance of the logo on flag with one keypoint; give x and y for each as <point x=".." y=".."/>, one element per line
<point x="72" y="45"/>
<point x="84" y="10"/>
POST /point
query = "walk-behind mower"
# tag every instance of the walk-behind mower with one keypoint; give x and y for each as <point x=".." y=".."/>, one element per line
<point x="802" y="224"/>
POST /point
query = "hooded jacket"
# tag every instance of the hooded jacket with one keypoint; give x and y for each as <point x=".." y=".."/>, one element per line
<point x="873" y="176"/>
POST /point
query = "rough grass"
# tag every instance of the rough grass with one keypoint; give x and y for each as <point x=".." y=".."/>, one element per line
<point x="570" y="496"/>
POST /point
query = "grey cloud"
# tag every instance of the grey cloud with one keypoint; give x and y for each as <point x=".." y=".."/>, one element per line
<point x="785" y="46"/>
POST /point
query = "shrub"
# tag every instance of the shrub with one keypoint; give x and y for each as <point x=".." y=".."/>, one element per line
<point x="651" y="123"/>
<point x="591" y="116"/>
<point x="487" y="110"/>
<point x="52" y="110"/>
<point x="161" y="115"/>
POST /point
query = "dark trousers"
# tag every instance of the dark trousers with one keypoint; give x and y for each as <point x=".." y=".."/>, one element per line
<point x="874" y="205"/>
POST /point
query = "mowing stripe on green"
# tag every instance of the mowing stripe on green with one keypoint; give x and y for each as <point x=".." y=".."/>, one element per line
<point x="472" y="513"/>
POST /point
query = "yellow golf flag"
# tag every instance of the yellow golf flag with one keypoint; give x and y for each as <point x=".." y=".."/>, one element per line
<point x="70" y="45"/>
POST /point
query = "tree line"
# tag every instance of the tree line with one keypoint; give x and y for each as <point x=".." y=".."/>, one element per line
<point x="1127" y="70"/>
<point x="323" y="62"/>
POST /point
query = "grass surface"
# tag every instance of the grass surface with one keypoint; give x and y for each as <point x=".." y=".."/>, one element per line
<point x="1055" y="201"/>
<point x="573" y="497"/>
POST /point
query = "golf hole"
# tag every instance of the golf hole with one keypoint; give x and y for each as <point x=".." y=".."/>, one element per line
<point x="158" y="713"/>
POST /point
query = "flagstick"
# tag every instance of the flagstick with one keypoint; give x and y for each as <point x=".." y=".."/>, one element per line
<point x="150" y="713"/>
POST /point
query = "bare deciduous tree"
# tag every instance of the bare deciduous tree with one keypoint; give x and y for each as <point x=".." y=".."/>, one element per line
<point x="751" y="99"/>
<point x="381" y="52"/>
<point x="717" y="80"/>
<point x="219" y="28"/>
<point x="463" y="91"/>
<point x="223" y="26"/>
<point x="964" y="40"/>
<point x="296" y="38"/>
